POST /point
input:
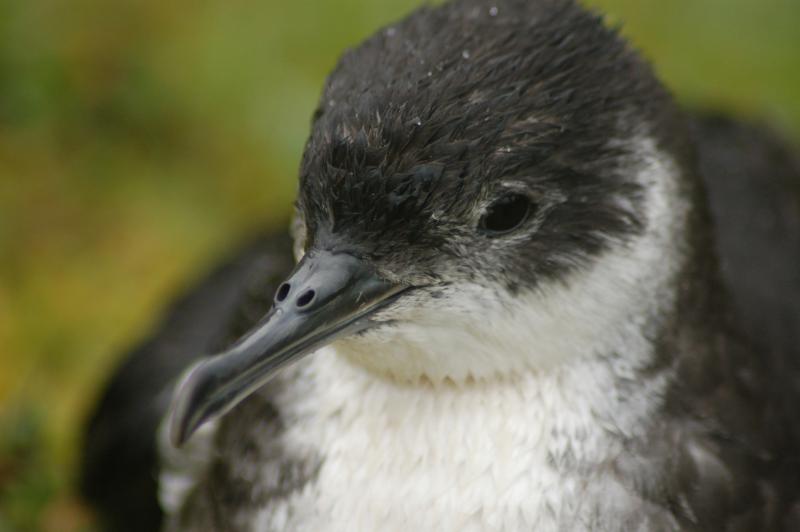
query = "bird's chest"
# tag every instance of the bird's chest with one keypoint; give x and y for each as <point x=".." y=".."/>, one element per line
<point x="395" y="458"/>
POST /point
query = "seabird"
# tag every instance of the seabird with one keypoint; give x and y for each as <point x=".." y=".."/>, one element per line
<point x="531" y="293"/>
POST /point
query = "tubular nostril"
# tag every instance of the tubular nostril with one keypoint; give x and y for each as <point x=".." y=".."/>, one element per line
<point x="283" y="291"/>
<point x="306" y="298"/>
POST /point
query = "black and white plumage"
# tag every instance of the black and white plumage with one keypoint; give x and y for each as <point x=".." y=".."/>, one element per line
<point x="510" y="278"/>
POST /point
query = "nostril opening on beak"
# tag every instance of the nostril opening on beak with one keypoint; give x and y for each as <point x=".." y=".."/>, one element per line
<point x="283" y="291"/>
<point x="306" y="298"/>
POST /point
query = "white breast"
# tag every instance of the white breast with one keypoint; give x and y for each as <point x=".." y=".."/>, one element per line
<point x="499" y="456"/>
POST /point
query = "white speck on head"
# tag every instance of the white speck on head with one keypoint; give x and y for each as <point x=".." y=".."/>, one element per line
<point x="391" y="31"/>
<point x="493" y="11"/>
<point x="465" y="54"/>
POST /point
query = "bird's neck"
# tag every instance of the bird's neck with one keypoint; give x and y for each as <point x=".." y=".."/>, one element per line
<point x="595" y="396"/>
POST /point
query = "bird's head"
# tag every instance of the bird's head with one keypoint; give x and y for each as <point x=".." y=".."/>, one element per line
<point x="487" y="189"/>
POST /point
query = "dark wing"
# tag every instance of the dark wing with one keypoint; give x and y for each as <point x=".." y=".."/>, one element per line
<point x="753" y="183"/>
<point x="119" y="470"/>
<point x="723" y="454"/>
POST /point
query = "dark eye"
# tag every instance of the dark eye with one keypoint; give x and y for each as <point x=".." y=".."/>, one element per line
<point x="506" y="214"/>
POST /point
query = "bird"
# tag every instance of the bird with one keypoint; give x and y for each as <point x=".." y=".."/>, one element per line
<point x="524" y="290"/>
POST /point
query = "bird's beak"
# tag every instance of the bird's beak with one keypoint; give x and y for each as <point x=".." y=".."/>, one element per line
<point x="327" y="296"/>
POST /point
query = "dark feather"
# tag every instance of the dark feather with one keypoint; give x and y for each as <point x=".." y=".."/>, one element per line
<point x="120" y="465"/>
<point x="753" y="182"/>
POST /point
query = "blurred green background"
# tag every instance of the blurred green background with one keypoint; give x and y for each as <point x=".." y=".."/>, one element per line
<point x="142" y="139"/>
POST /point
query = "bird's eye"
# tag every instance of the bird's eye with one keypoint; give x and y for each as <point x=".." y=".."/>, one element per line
<point x="506" y="214"/>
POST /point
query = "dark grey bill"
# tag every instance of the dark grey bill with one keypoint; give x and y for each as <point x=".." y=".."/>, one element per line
<point x="327" y="296"/>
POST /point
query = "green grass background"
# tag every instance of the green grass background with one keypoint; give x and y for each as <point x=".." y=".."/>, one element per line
<point x="142" y="139"/>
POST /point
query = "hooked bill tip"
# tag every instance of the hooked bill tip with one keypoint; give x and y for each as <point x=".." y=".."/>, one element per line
<point x="182" y="422"/>
<point x="178" y="431"/>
